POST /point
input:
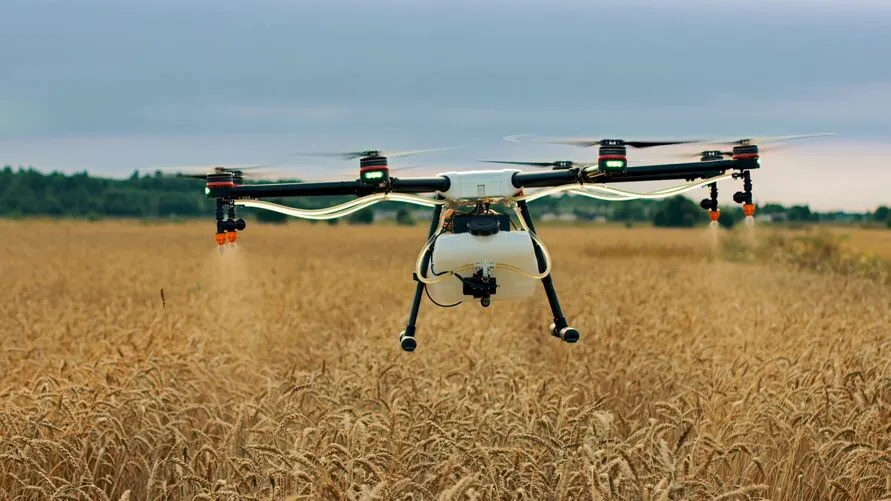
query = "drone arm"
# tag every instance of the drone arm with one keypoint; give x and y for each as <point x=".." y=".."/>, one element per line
<point x="334" y="188"/>
<point x="664" y="172"/>
<point x="277" y="190"/>
<point x="420" y="184"/>
<point x="545" y="179"/>
<point x="668" y="172"/>
<point x="625" y="177"/>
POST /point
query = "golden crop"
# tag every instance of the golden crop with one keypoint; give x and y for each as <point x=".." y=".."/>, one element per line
<point x="275" y="372"/>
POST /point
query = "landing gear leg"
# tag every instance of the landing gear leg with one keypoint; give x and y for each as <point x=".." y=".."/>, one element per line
<point x="559" y="328"/>
<point x="407" y="337"/>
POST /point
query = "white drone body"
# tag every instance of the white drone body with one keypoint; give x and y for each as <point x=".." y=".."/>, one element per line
<point x="475" y="250"/>
<point x="507" y="255"/>
<point x="507" y="258"/>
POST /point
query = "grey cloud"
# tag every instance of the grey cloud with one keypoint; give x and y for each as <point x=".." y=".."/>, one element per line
<point x="272" y="75"/>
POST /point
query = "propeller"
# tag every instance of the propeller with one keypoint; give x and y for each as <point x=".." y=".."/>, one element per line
<point x="205" y="170"/>
<point x="335" y="175"/>
<point x="560" y="164"/>
<point x="764" y="143"/>
<point x="350" y="155"/>
<point x="766" y="139"/>
<point x="589" y="142"/>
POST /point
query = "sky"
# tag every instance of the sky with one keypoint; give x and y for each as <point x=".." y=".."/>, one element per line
<point x="111" y="86"/>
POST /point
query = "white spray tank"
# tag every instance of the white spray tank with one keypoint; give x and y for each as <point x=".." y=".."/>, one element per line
<point x="466" y="254"/>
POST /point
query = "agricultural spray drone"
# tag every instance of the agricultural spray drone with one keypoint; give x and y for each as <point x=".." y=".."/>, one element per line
<point x="473" y="249"/>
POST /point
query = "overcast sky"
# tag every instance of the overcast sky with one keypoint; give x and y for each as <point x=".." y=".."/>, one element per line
<point x="115" y="85"/>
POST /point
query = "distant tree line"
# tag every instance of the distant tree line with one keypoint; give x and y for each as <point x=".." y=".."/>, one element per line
<point x="27" y="192"/>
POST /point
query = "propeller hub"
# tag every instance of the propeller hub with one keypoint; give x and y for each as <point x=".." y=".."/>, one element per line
<point x="221" y="179"/>
<point x="373" y="161"/>
<point x="219" y="185"/>
<point x="712" y="155"/>
<point x="748" y="151"/>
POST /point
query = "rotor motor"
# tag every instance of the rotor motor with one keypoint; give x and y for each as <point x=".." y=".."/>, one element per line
<point x="710" y="155"/>
<point x="374" y="170"/>
<point x="612" y="156"/>
<point x="745" y="152"/>
<point x="219" y="183"/>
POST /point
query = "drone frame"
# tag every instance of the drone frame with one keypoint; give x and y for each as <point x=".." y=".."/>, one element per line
<point x="227" y="189"/>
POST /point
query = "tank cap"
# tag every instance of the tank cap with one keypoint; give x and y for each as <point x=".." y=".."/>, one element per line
<point x="482" y="226"/>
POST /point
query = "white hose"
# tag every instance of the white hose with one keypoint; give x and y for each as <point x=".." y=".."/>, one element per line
<point x="343" y="206"/>
<point x="544" y="251"/>
<point x="548" y="192"/>
<point x="618" y="195"/>
<point x="424" y="249"/>
<point x="343" y="209"/>
<point x="301" y="213"/>
<point x="663" y="193"/>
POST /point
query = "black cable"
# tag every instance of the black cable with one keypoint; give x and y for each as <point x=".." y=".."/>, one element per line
<point x="437" y="304"/>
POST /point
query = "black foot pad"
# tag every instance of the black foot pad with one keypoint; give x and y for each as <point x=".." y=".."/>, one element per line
<point x="408" y="343"/>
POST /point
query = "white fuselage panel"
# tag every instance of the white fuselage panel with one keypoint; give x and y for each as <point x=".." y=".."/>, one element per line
<point x="491" y="184"/>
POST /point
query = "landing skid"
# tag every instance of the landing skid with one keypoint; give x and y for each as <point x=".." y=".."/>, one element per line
<point x="559" y="328"/>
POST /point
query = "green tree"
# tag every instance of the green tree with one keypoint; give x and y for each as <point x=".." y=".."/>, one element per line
<point x="271" y="216"/>
<point x="727" y="218"/>
<point x="677" y="212"/>
<point x="403" y="217"/>
<point x="629" y="211"/>
<point x="174" y="204"/>
<point x="801" y="213"/>
<point x="772" y="208"/>
<point x="882" y="213"/>
<point x="364" y="216"/>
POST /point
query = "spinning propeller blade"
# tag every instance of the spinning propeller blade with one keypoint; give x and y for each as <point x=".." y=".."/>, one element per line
<point x="605" y="141"/>
<point x="351" y="155"/>
<point x="334" y="175"/>
<point x="759" y="140"/>
<point x="764" y="143"/>
<point x="563" y="164"/>
<point x="204" y="170"/>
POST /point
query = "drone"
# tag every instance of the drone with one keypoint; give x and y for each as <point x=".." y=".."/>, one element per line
<point x="474" y="250"/>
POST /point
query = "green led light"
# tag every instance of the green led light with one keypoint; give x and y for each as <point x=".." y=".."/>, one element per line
<point x="374" y="174"/>
<point x="206" y="190"/>
<point x="615" y="164"/>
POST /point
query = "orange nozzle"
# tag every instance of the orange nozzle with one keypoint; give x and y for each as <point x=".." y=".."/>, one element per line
<point x="749" y="210"/>
<point x="714" y="214"/>
<point x="232" y="236"/>
<point x="221" y="238"/>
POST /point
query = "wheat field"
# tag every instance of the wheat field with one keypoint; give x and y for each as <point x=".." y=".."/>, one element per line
<point x="274" y="371"/>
